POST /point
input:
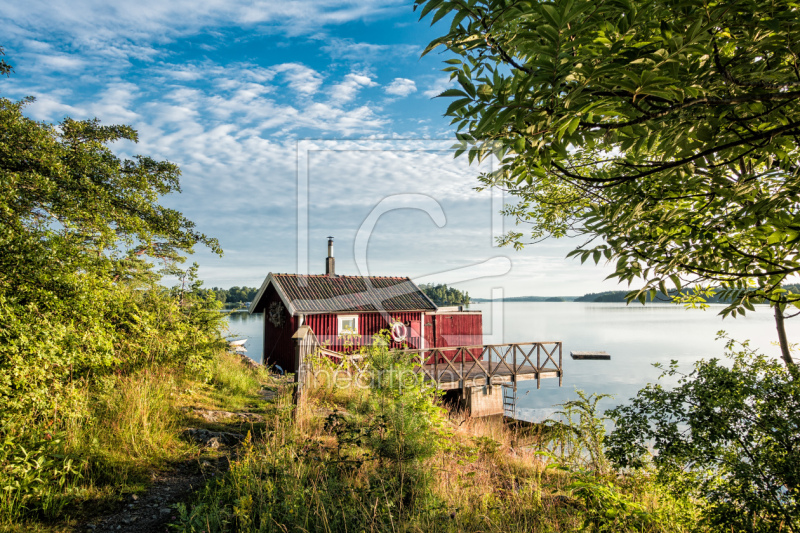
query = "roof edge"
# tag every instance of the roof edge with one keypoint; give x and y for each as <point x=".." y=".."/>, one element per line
<point x="435" y="307"/>
<point x="270" y="280"/>
<point x="273" y="279"/>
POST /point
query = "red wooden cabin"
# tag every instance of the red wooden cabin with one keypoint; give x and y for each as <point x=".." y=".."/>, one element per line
<point x="344" y="312"/>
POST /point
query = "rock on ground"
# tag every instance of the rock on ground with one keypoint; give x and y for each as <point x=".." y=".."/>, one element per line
<point x="212" y="439"/>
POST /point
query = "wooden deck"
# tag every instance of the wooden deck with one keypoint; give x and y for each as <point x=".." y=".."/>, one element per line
<point x="492" y="373"/>
<point x="459" y="367"/>
<point x="455" y="367"/>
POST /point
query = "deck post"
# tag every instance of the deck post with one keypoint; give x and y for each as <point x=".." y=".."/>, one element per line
<point x="516" y="368"/>
<point x="560" y="364"/>
<point x="515" y="359"/>
<point x="435" y="369"/>
<point x="538" y="365"/>
<point x="463" y="378"/>
<point x="299" y="377"/>
<point x="301" y="372"/>
<point x="489" y="377"/>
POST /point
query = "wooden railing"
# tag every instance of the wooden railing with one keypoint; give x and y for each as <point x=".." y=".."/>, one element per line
<point x="490" y="364"/>
<point x="448" y="367"/>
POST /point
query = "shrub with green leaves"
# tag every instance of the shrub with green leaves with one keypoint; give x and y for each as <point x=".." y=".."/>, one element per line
<point x="729" y="435"/>
<point x="83" y="234"/>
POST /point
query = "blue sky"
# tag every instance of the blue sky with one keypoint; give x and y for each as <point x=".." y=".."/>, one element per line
<point x="291" y="121"/>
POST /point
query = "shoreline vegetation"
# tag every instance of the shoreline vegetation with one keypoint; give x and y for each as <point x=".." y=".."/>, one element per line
<point x="389" y="457"/>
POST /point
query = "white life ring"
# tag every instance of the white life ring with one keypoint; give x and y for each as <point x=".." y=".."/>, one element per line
<point x="399" y="332"/>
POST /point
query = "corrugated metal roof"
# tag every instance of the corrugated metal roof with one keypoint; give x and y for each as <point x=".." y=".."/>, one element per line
<point x="326" y="294"/>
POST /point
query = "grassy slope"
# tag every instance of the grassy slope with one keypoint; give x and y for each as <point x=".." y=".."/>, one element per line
<point x="312" y="473"/>
<point x="117" y="437"/>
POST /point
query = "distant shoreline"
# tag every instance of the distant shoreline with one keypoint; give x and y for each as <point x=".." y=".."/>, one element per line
<point x="527" y="299"/>
<point x="607" y="297"/>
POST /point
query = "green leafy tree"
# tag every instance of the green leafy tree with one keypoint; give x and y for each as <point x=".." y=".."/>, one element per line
<point x="443" y="295"/>
<point x="664" y="133"/>
<point x="80" y="230"/>
<point x="5" y="68"/>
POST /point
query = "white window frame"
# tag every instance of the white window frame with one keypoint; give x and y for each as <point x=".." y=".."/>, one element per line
<point x="340" y="326"/>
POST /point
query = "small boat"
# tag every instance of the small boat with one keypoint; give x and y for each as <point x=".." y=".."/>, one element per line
<point x="237" y="343"/>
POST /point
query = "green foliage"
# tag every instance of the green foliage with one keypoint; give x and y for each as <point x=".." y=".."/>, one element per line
<point x="77" y="298"/>
<point x="235" y="295"/>
<point x="228" y="375"/>
<point x="444" y="295"/>
<point x="726" y="434"/>
<point x="36" y="473"/>
<point x="405" y="406"/>
<point x="5" y="68"/>
<point x="611" y="502"/>
<point x="577" y="438"/>
<point x="611" y="508"/>
<point x="82" y="233"/>
<point x="665" y="133"/>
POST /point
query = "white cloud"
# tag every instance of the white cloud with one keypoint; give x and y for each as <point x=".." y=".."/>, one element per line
<point x="122" y="26"/>
<point x="348" y="89"/>
<point x="438" y="87"/>
<point x="401" y="87"/>
<point x="300" y="77"/>
<point x="365" y="52"/>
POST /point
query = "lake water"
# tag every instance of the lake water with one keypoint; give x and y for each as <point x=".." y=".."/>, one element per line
<point x="634" y="336"/>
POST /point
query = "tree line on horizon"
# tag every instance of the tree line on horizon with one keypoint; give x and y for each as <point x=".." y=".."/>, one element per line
<point x="622" y="296"/>
<point x="235" y="295"/>
<point x="441" y="294"/>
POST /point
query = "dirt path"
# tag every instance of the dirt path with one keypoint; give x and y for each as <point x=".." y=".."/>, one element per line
<point x="153" y="511"/>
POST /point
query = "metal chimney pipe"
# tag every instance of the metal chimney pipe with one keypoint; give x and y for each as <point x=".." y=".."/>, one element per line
<point x="330" y="269"/>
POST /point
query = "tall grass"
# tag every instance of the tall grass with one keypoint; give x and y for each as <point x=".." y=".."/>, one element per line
<point x="384" y="459"/>
<point x="324" y="478"/>
<point x="231" y="375"/>
<point x="138" y="419"/>
<point x="104" y="439"/>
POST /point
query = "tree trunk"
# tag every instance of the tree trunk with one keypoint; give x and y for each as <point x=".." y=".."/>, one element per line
<point x="784" y="343"/>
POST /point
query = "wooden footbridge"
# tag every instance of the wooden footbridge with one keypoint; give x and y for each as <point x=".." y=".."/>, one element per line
<point x="464" y="368"/>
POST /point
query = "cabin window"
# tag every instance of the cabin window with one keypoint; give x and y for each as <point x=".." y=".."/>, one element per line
<point x="348" y="324"/>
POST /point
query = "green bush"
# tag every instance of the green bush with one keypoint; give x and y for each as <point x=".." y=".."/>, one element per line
<point x="81" y="304"/>
<point x="728" y="435"/>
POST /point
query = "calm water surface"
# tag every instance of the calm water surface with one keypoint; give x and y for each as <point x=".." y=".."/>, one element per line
<point x="635" y="336"/>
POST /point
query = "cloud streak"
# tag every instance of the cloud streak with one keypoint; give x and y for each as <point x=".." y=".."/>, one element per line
<point x="401" y="87"/>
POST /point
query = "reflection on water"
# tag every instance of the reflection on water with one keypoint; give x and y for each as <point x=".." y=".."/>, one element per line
<point x="635" y="336"/>
<point x="244" y="325"/>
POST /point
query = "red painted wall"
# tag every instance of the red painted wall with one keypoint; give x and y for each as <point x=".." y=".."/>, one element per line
<point x="454" y="329"/>
<point x="441" y="330"/>
<point x="325" y="327"/>
<point x="278" y="343"/>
